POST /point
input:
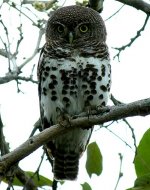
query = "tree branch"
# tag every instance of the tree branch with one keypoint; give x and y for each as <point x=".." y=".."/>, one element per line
<point x="12" y="76"/>
<point x="114" y="13"/>
<point x="19" y="173"/>
<point x="27" y="181"/>
<point x="138" y="34"/>
<point x="140" y="5"/>
<point x="97" y="5"/>
<point x="106" y="114"/>
<point x="36" y="50"/>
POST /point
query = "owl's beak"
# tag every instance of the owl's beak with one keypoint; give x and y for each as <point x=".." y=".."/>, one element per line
<point x="70" y="37"/>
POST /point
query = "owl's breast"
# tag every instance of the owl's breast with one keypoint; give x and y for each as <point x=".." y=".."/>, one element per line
<point x="73" y="83"/>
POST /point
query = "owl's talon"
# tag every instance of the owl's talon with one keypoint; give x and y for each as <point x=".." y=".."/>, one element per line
<point x="102" y="109"/>
<point x="64" y="120"/>
<point x="89" y="110"/>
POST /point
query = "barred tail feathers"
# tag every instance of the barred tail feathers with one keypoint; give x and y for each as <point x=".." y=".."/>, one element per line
<point x="65" y="166"/>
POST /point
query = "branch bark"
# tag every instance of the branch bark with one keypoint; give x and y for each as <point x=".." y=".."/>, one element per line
<point x="27" y="182"/>
<point x="132" y="40"/>
<point x="12" y="77"/>
<point x="97" y="5"/>
<point x="140" y="5"/>
<point x="106" y="114"/>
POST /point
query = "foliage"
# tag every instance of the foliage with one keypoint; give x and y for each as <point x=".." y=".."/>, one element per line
<point x="142" y="163"/>
<point x="38" y="179"/>
<point x="86" y="186"/>
<point x="94" y="160"/>
<point x="142" y="157"/>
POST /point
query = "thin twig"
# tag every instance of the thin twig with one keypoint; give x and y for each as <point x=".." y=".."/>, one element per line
<point x="120" y="173"/>
<point x="116" y="102"/>
<point x="12" y="76"/>
<point x="36" y="173"/>
<point x="140" y="5"/>
<point x="138" y="34"/>
<point x="13" y="5"/>
<point x="25" y="180"/>
<point x="36" y="50"/>
<point x="119" y="138"/>
<point x="115" y="13"/>
<point x="7" y="46"/>
<point x="19" y="40"/>
<point x="133" y="134"/>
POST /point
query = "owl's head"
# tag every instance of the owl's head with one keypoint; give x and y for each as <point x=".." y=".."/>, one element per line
<point x="75" y="26"/>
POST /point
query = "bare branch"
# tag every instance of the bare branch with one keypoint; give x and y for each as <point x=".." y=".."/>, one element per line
<point x="31" y="2"/>
<point x="97" y="5"/>
<point x="25" y="180"/>
<point x="140" y="5"/>
<point x="138" y="34"/>
<point x="4" y="149"/>
<point x="13" y="5"/>
<point x="36" y="50"/>
<point x="120" y="138"/>
<point x="116" y="102"/>
<point x="12" y="76"/>
<point x="27" y="79"/>
<point x="20" y="174"/>
<point x="19" y="40"/>
<point x="7" y="46"/>
<point x="4" y="53"/>
<point x="114" y="13"/>
<point x="138" y="108"/>
<point x="120" y="172"/>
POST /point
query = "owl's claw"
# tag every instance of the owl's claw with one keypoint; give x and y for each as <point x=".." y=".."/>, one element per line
<point x="89" y="110"/>
<point x="102" y="109"/>
<point x="63" y="118"/>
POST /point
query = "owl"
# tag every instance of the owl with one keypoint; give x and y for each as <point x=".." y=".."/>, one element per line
<point x="73" y="76"/>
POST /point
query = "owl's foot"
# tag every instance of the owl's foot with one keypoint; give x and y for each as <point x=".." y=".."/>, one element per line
<point x="102" y="109"/>
<point x="63" y="118"/>
<point x="94" y="110"/>
<point x="89" y="110"/>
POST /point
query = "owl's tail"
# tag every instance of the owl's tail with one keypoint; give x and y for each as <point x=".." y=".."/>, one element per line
<point x="65" y="166"/>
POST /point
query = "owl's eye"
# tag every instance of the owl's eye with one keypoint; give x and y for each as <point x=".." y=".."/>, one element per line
<point x="60" y="28"/>
<point x="83" y="28"/>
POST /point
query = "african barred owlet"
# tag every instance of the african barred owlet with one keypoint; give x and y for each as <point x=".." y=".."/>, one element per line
<point x="73" y="75"/>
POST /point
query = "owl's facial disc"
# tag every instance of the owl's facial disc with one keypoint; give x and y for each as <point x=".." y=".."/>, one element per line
<point x="74" y="33"/>
<point x="64" y="32"/>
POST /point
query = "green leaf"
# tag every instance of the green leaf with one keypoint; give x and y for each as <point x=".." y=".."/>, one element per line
<point x="86" y="186"/>
<point x="142" y="183"/>
<point x="94" y="159"/>
<point x="38" y="180"/>
<point x="142" y="158"/>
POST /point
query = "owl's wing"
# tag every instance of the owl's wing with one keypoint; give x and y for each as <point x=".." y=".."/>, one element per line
<point x="45" y="124"/>
<point x="39" y="70"/>
<point x="39" y="83"/>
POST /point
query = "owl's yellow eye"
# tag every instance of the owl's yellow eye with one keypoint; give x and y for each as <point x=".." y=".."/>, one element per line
<point x="60" y="29"/>
<point x="83" y="28"/>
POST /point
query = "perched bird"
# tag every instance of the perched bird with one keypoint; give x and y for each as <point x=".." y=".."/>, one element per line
<point x="73" y="76"/>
